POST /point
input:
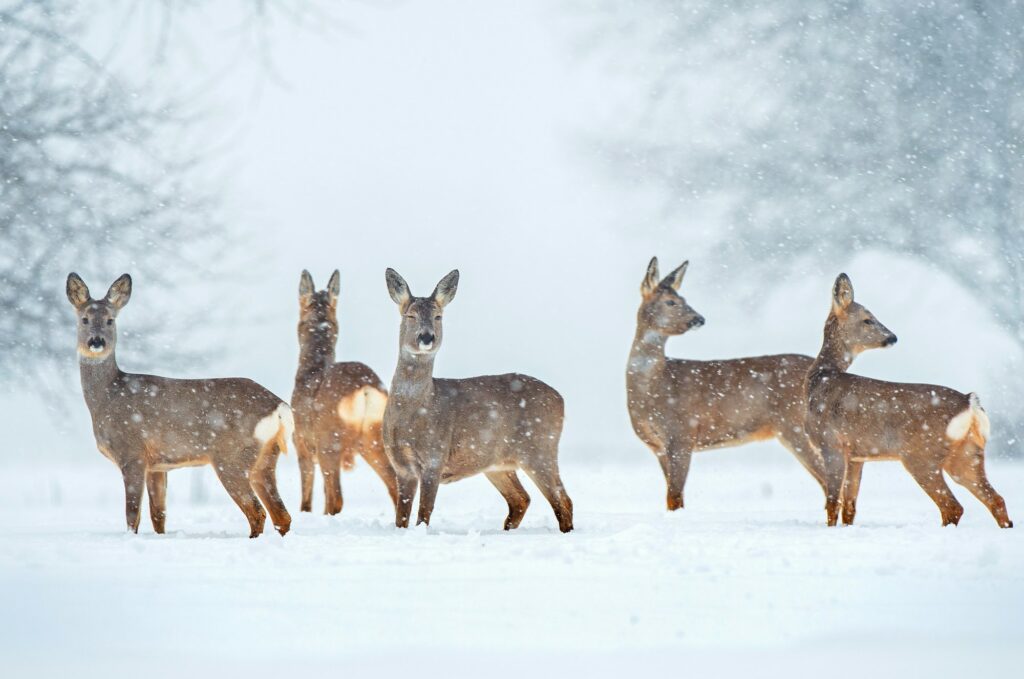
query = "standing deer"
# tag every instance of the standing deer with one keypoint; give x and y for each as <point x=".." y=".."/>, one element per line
<point x="147" y="425"/>
<point x="438" y="431"/>
<point x="853" y="420"/>
<point x="681" y="406"/>
<point x="338" y="406"/>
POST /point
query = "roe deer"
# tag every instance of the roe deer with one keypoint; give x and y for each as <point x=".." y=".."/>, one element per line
<point x="147" y="425"/>
<point x="439" y="431"/>
<point x="855" y="419"/>
<point x="338" y="406"/>
<point x="681" y="406"/>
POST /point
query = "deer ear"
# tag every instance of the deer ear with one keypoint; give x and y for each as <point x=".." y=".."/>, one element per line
<point x="120" y="291"/>
<point x="842" y="293"/>
<point x="675" y="279"/>
<point x="446" y="287"/>
<point x="398" y="288"/>
<point x="77" y="290"/>
<point x="650" y="283"/>
<point x="334" y="285"/>
<point x="306" y="287"/>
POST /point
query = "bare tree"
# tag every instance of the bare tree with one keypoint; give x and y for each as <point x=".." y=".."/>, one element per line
<point x="891" y="125"/>
<point x="84" y="183"/>
<point x="92" y="174"/>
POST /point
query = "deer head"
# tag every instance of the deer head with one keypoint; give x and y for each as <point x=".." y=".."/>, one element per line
<point x="318" y="310"/>
<point x="421" y="332"/>
<point x="855" y="328"/>
<point x="97" y="326"/>
<point x="663" y="309"/>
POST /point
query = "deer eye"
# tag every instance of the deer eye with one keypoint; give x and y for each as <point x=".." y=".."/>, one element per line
<point x="85" y="321"/>
<point x="670" y="302"/>
<point x="868" y="321"/>
<point x="438" y="317"/>
<point x="110" y="321"/>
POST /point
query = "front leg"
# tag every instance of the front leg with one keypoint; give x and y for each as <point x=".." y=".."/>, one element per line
<point x="430" y="479"/>
<point x="835" y="474"/>
<point x="156" y="485"/>
<point x="676" y="465"/>
<point x="134" y="473"/>
<point x="407" y="483"/>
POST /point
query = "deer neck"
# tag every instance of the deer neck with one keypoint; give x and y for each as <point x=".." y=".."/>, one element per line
<point x="834" y="357"/>
<point x="98" y="378"/>
<point x="647" y="355"/>
<point x="414" y="378"/>
<point x="316" y="355"/>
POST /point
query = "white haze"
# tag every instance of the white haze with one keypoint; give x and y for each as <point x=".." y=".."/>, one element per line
<point x="432" y="136"/>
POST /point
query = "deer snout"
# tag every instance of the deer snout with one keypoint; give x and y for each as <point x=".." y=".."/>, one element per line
<point x="96" y="344"/>
<point x="695" y="322"/>
<point x="425" y="340"/>
<point x="889" y="341"/>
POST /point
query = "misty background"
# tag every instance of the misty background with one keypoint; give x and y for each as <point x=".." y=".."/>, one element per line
<point x="545" y="149"/>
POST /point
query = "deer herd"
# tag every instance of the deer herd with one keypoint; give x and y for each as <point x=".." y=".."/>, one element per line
<point x="426" y="430"/>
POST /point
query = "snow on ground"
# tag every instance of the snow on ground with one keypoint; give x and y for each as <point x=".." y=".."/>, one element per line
<point x="747" y="577"/>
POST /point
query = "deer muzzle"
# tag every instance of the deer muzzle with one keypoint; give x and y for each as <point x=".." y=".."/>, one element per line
<point x="96" y="344"/>
<point x="425" y="340"/>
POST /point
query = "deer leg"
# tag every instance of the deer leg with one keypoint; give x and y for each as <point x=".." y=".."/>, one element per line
<point x="236" y="482"/>
<point x="798" y="443"/>
<point x="330" y="468"/>
<point x="407" y="483"/>
<point x="515" y="495"/>
<point x="967" y="467"/>
<point x="430" y="480"/>
<point x="373" y="453"/>
<point x="264" y="482"/>
<point x="851" y="488"/>
<point x="929" y="476"/>
<point x="156" y="484"/>
<point x="307" y="468"/>
<point x="134" y="474"/>
<point x="835" y="473"/>
<point x="678" y="463"/>
<point x="550" y="484"/>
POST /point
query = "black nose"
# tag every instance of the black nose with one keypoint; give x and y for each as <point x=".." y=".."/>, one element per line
<point x="889" y="341"/>
<point x="97" y="342"/>
<point x="425" y="338"/>
<point x="696" y="322"/>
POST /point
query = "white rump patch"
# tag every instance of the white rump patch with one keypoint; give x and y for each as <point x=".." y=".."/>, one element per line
<point x="270" y="426"/>
<point x="363" y="408"/>
<point x="960" y="426"/>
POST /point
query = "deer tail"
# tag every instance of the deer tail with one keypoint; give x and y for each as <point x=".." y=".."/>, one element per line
<point x="361" y="410"/>
<point x="277" y="426"/>
<point x="970" y="424"/>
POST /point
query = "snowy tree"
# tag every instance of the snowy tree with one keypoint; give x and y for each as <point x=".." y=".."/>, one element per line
<point x="83" y="183"/>
<point x="817" y="129"/>
<point x="92" y="173"/>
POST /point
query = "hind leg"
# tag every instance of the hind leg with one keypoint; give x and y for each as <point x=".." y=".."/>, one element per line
<point x="330" y="468"/>
<point x="234" y="476"/>
<point x="264" y="481"/>
<point x="156" y="484"/>
<point x="515" y="495"/>
<point x="550" y="484"/>
<point x="929" y="476"/>
<point x="967" y="467"/>
<point x="373" y="453"/>
<point x="851" y="488"/>
<point x="307" y="465"/>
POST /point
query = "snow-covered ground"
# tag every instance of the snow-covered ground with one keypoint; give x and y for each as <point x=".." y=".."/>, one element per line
<point x="747" y="577"/>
